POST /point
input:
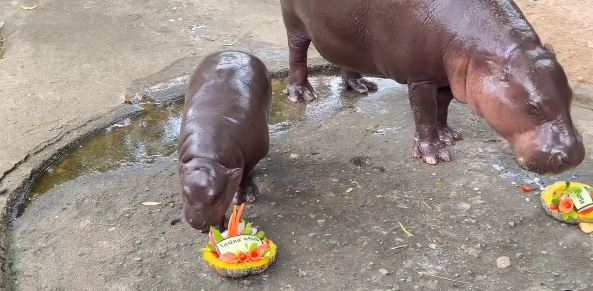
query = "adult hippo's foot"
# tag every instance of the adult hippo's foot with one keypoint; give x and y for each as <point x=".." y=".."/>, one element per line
<point x="297" y="92"/>
<point x="427" y="144"/>
<point x="449" y="136"/>
<point x="431" y="152"/>
<point x="355" y="81"/>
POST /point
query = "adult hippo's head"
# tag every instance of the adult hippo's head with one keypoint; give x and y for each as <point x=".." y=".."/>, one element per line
<point x="208" y="190"/>
<point x="526" y="98"/>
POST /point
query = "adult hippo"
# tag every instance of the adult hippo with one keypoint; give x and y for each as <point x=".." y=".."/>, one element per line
<point x="482" y="52"/>
<point x="224" y="134"/>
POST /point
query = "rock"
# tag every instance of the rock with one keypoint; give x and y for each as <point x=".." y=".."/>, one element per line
<point x="464" y="206"/>
<point x="293" y="156"/>
<point x="383" y="272"/>
<point x="472" y="251"/>
<point x="503" y="262"/>
<point x="582" y="80"/>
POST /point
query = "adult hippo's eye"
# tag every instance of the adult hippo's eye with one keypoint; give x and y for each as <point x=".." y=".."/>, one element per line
<point x="533" y="108"/>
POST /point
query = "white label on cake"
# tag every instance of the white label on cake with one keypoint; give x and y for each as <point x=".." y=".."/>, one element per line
<point x="236" y="244"/>
<point x="581" y="200"/>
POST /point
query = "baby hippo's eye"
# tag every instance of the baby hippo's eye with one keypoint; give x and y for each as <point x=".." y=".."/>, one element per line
<point x="533" y="108"/>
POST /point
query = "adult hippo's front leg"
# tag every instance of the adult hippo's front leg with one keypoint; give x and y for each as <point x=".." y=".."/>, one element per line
<point x="447" y="134"/>
<point x="427" y="144"/>
<point x="298" y="87"/>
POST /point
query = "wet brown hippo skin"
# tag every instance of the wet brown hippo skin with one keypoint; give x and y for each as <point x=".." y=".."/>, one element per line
<point x="224" y="134"/>
<point x="483" y="52"/>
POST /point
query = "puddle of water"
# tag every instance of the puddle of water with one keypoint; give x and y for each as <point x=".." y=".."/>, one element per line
<point x="155" y="133"/>
<point x="130" y="141"/>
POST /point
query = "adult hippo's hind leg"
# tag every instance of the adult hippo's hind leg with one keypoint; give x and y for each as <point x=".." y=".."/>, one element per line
<point x="355" y="81"/>
<point x="299" y="87"/>
<point x="427" y="145"/>
<point x="248" y="190"/>
<point x="446" y="134"/>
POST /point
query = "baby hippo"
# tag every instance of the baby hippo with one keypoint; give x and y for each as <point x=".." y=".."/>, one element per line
<point x="224" y="134"/>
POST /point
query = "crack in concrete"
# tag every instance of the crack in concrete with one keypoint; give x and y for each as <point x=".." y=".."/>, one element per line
<point x="46" y="144"/>
<point x="2" y="40"/>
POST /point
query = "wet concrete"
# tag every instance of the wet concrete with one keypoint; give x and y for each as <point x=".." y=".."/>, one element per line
<point x="334" y="189"/>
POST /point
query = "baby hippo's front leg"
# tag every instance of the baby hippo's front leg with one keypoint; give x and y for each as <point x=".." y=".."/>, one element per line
<point x="248" y="190"/>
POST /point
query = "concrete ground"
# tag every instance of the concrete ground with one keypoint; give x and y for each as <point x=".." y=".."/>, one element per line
<point x="334" y="190"/>
<point x="66" y="67"/>
<point x="68" y="63"/>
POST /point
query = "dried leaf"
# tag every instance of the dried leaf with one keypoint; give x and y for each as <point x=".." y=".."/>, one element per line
<point x="405" y="230"/>
<point x="438" y="182"/>
<point x="28" y="7"/>
<point x="151" y="203"/>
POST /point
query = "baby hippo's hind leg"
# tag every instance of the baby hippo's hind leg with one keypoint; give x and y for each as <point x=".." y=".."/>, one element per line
<point x="355" y="81"/>
<point x="248" y="190"/>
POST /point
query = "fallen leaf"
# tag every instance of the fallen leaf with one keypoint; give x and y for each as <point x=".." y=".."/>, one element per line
<point x="405" y="230"/>
<point x="151" y="203"/>
<point x="438" y="182"/>
<point x="28" y="7"/>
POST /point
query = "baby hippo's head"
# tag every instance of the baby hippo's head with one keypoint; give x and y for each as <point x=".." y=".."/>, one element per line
<point x="208" y="189"/>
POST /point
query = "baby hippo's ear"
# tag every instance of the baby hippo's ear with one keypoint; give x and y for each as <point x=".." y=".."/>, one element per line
<point x="235" y="173"/>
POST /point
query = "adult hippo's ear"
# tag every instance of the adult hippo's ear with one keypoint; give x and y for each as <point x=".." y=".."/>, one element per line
<point x="234" y="173"/>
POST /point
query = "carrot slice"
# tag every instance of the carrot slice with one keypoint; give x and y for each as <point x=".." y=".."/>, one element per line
<point x="232" y="222"/>
<point x="239" y="214"/>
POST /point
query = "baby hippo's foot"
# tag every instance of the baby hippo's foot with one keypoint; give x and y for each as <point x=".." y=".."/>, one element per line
<point x="299" y="92"/>
<point x="430" y="151"/>
<point x="355" y="81"/>
<point x="246" y="194"/>
<point x="449" y="136"/>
